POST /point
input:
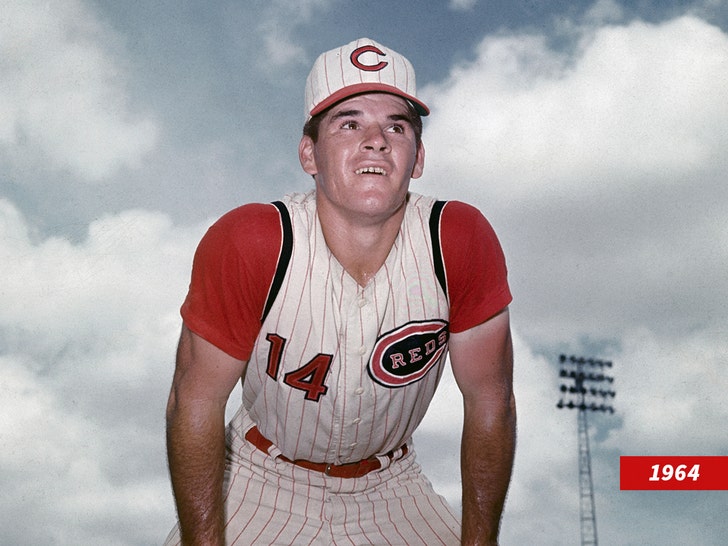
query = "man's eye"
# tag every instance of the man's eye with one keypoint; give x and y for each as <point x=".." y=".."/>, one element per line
<point x="350" y="125"/>
<point x="397" y="129"/>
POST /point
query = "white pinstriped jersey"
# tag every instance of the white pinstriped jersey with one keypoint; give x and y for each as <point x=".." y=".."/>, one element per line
<point x="341" y="372"/>
<point x="338" y="372"/>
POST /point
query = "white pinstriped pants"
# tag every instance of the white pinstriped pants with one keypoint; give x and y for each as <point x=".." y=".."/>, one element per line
<point x="272" y="502"/>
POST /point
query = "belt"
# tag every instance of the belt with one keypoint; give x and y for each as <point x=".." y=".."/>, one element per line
<point x="349" y="470"/>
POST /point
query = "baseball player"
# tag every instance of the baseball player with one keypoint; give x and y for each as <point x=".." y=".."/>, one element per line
<point x="337" y="309"/>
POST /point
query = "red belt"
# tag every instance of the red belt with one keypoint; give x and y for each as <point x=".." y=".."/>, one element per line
<point x="349" y="470"/>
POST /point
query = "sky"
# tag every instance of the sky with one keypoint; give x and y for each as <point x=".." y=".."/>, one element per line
<point x="591" y="134"/>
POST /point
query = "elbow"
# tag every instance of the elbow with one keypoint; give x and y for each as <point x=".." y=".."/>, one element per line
<point x="508" y="409"/>
<point x="172" y="406"/>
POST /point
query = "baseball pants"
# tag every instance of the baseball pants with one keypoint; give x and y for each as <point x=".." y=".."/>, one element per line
<point x="272" y="502"/>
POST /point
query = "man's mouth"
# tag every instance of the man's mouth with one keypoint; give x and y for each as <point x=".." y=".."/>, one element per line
<point x="371" y="170"/>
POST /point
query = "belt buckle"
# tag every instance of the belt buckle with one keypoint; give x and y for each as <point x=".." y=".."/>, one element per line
<point x="327" y="470"/>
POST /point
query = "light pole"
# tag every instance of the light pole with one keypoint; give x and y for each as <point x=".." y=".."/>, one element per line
<point x="582" y="388"/>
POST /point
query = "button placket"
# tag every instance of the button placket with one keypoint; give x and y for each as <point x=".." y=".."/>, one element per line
<point x="356" y="347"/>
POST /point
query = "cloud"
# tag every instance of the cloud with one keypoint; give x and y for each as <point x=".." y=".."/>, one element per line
<point x="675" y="393"/>
<point x="64" y="101"/>
<point x="631" y="100"/>
<point x="61" y="467"/>
<point x="277" y="25"/>
<point x="87" y="336"/>
<point x="462" y="5"/>
<point x="604" y="11"/>
<point x="603" y="167"/>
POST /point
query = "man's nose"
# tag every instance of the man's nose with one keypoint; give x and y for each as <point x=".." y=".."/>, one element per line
<point x="375" y="139"/>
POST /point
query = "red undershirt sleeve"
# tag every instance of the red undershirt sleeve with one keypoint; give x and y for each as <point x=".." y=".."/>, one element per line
<point x="475" y="266"/>
<point x="231" y="273"/>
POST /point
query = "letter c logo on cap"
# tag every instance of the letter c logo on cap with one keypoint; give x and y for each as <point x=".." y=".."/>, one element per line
<point x="358" y="52"/>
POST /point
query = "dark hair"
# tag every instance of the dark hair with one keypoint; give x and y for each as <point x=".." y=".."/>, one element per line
<point x="311" y="127"/>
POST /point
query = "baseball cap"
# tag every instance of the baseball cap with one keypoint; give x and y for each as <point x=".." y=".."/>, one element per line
<point x="362" y="66"/>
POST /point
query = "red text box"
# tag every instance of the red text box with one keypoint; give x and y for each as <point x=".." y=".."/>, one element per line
<point x="673" y="473"/>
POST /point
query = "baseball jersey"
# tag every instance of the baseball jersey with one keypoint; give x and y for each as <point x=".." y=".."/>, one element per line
<point x="339" y="372"/>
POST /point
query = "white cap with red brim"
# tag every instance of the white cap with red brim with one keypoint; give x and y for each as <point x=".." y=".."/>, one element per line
<point x="363" y="66"/>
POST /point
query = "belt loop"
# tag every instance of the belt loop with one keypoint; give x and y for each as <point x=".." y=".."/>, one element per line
<point x="384" y="461"/>
<point x="398" y="453"/>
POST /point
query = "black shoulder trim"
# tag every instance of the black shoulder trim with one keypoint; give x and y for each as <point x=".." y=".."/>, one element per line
<point x="283" y="259"/>
<point x="439" y="263"/>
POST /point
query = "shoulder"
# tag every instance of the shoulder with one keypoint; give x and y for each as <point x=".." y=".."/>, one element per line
<point x="251" y="215"/>
<point x="452" y="223"/>
<point x="249" y="225"/>
<point x="459" y="215"/>
<point x="458" y="222"/>
<point x="452" y="212"/>
<point x="242" y="235"/>
<point x="462" y="224"/>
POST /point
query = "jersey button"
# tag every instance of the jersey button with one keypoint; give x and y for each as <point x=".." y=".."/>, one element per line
<point x="359" y="391"/>
<point x="363" y="302"/>
<point x="362" y="350"/>
<point x="356" y="421"/>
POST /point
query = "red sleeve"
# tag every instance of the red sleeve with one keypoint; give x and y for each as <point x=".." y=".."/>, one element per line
<point x="475" y="267"/>
<point x="231" y="273"/>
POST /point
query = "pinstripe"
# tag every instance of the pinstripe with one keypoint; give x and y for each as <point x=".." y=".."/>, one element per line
<point x="374" y="519"/>
<point x="388" y="529"/>
<point x="249" y="525"/>
<point x="342" y="71"/>
<point x="326" y="72"/>
<point x="422" y="515"/>
<point x="394" y="73"/>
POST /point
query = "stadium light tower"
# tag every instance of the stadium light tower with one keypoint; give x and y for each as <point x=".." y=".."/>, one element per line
<point x="583" y="389"/>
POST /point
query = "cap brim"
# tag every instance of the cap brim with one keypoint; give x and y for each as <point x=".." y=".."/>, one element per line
<point x="359" y="88"/>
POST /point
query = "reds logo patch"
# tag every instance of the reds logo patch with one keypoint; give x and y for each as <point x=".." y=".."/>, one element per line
<point x="367" y="67"/>
<point x="406" y="354"/>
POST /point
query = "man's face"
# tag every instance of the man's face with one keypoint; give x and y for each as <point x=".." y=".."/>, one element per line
<point x="365" y="156"/>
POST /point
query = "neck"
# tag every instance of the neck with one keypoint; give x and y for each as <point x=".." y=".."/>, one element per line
<point x="360" y="247"/>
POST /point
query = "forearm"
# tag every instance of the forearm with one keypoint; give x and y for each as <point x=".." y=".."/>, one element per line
<point x="488" y="447"/>
<point x="196" y="454"/>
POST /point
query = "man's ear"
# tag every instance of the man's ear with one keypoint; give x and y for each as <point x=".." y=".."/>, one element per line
<point x="306" y="155"/>
<point x="419" y="166"/>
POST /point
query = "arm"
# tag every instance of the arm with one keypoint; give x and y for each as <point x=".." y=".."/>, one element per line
<point x="203" y="379"/>
<point x="482" y="363"/>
